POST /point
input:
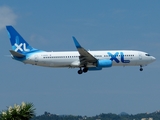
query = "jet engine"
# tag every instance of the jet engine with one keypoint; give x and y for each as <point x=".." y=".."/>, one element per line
<point x="104" y="63"/>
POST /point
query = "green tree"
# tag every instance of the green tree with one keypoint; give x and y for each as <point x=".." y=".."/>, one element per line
<point x="25" y="111"/>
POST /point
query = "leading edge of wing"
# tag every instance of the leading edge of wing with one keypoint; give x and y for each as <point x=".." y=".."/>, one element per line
<point x="83" y="52"/>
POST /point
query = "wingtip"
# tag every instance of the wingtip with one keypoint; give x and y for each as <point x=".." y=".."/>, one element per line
<point x="74" y="39"/>
<point x="76" y="42"/>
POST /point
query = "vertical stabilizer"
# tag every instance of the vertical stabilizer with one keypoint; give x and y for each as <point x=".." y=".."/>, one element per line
<point x="18" y="43"/>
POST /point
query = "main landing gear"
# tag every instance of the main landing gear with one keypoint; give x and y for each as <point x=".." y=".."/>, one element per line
<point x="84" y="70"/>
<point x="141" y="69"/>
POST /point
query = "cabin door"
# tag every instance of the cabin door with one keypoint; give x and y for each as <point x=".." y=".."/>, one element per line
<point x="140" y="56"/>
<point x="36" y="59"/>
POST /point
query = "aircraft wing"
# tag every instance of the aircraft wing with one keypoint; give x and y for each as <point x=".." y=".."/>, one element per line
<point x="85" y="56"/>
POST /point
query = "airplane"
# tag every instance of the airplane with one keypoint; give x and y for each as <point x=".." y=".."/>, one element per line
<point x="82" y="59"/>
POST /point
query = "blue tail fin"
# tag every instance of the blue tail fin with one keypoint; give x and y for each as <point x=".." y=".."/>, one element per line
<point x="18" y="43"/>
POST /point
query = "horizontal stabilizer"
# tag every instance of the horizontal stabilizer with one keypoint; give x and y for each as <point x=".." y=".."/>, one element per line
<point x="16" y="54"/>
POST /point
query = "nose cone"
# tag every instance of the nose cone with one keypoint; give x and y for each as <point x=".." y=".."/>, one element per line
<point x="153" y="58"/>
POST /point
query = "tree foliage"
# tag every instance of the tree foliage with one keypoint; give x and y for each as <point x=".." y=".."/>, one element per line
<point x="103" y="116"/>
<point x="25" y="111"/>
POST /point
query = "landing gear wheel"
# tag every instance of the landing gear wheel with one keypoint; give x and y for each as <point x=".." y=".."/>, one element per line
<point x="141" y="69"/>
<point x="80" y="71"/>
<point x="85" y="70"/>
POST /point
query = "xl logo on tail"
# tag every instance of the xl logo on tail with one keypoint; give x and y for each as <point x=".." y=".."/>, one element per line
<point x="21" y="47"/>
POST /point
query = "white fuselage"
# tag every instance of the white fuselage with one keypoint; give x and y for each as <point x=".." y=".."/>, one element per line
<point x="83" y="59"/>
<point x="71" y="58"/>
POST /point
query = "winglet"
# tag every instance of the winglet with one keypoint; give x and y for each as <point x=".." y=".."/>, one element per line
<point x="84" y="54"/>
<point x="76" y="43"/>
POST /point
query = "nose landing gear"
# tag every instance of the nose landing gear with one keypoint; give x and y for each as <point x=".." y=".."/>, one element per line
<point x="141" y="69"/>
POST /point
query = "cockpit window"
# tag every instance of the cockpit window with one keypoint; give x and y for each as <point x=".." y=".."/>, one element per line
<point x="147" y="54"/>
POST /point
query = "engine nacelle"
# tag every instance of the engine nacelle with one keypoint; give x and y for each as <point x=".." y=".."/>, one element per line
<point x="104" y="63"/>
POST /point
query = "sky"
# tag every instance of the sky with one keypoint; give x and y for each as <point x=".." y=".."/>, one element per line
<point x="97" y="25"/>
